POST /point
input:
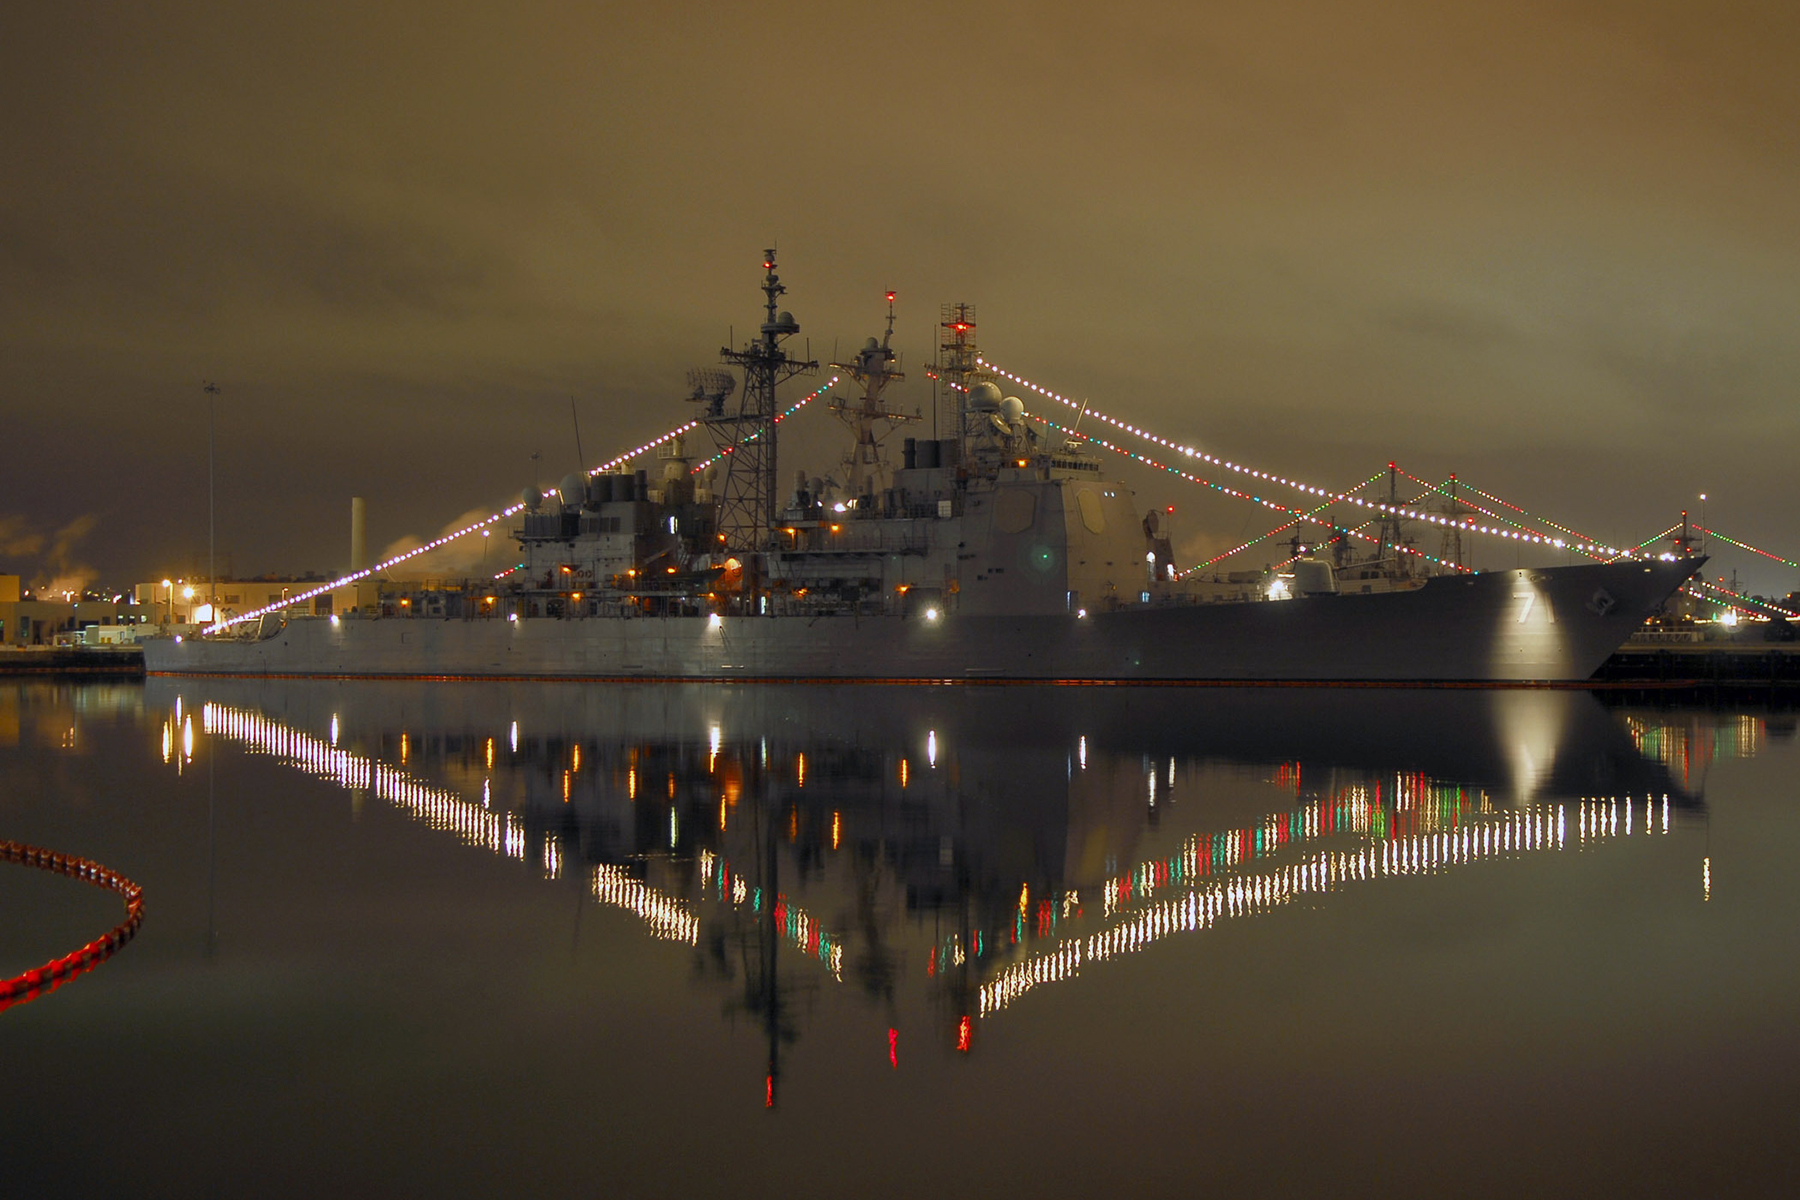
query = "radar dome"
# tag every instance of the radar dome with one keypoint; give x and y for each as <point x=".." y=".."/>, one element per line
<point x="984" y="397"/>
<point x="871" y="344"/>
<point x="1012" y="410"/>
<point x="532" y="498"/>
<point x="573" y="489"/>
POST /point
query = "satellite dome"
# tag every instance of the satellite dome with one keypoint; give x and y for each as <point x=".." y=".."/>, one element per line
<point x="573" y="489"/>
<point x="871" y="344"/>
<point x="532" y="498"/>
<point x="984" y="396"/>
<point x="1012" y="410"/>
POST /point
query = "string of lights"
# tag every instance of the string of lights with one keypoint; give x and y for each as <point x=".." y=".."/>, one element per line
<point x="223" y="623"/>
<point x="1357" y="532"/>
<point x="1280" y="528"/>
<point x="1299" y="514"/>
<point x="791" y="409"/>
<point x="1464" y="485"/>
<point x="1443" y="489"/>
<point x="1788" y="562"/>
<point x="1310" y="489"/>
<point x="1737" y="599"/>
<point x="1655" y="537"/>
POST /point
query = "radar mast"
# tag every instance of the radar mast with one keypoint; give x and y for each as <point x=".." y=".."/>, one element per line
<point x="746" y="436"/>
<point x="865" y="469"/>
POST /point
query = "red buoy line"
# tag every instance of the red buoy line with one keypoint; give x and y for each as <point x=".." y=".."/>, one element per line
<point x="58" y="971"/>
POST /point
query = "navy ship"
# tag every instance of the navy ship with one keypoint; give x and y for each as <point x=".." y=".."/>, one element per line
<point x="1002" y="552"/>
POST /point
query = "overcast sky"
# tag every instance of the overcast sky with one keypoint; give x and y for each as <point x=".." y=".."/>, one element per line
<point x="1550" y="246"/>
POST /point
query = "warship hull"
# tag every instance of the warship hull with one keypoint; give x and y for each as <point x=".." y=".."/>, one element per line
<point x="1556" y="624"/>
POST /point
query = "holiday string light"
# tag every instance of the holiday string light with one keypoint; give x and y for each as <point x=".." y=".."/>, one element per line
<point x="498" y="832"/>
<point x="1351" y="531"/>
<point x="1443" y="489"/>
<point x="1651" y="540"/>
<point x="1737" y="599"/>
<point x="1310" y="489"/>
<point x="1300" y="514"/>
<point x="1788" y="562"/>
<point x="1280" y="528"/>
<point x="300" y="597"/>
<point x="1203" y="898"/>
<point x="793" y="408"/>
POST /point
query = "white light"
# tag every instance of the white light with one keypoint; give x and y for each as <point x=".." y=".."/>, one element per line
<point x="1729" y="617"/>
<point x="334" y="620"/>
<point x="512" y="617"/>
<point x="715" y="620"/>
<point x="840" y="506"/>
<point x="931" y="614"/>
<point x="1080" y="612"/>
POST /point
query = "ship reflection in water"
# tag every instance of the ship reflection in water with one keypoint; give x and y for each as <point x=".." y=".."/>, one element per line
<point x="974" y="846"/>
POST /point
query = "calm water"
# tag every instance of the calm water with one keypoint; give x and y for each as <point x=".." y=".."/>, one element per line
<point x="457" y="939"/>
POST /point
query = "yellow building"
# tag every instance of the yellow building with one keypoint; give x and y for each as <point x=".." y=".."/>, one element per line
<point x="44" y="622"/>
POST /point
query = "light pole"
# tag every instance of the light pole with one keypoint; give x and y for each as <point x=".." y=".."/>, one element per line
<point x="169" y="602"/>
<point x="212" y="391"/>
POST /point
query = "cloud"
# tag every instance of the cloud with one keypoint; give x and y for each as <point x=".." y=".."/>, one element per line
<point x="471" y="556"/>
<point x="17" y="538"/>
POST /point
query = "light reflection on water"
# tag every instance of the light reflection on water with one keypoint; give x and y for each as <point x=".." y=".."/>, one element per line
<point x="944" y="859"/>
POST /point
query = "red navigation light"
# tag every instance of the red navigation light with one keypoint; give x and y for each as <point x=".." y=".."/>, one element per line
<point x="1393" y="466"/>
<point x="1170" y="510"/>
<point x="769" y="1092"/>
<point x="894" y="1048"/>
<point x="964" y="1032"/>
<point x="890" y="297"/>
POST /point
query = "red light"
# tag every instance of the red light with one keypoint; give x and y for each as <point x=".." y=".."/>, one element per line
<point x="893" y="1049"/>
<point x="1170" y="510"/>
<point x="769" y="1092"/>
<point x="963" y="1034"/>
<point x="890" y="297"/>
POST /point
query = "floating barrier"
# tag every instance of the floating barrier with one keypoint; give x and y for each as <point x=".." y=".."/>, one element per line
<point x="58" y="971"/>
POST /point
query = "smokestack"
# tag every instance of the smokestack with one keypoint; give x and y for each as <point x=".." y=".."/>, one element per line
<point x="359" y="534"/>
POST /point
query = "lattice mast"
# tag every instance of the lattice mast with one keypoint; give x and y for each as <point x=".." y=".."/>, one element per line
<point x="747" y="498"/>
<point x="1389" y="539"/>
<point x="865" y="468"/>
<point x="956" y="369"/>
<point x="1451" y="549"/>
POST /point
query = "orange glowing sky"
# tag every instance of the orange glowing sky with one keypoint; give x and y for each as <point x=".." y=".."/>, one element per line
<point x="1549" y="246"/>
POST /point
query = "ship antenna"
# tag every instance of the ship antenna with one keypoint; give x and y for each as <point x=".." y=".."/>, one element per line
<point x="580" y="458"/>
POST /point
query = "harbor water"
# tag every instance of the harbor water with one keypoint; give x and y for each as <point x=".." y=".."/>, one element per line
<point x="415" y="938"/>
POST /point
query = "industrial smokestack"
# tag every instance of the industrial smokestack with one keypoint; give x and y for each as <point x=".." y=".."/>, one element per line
<point x="359" y="534"/>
